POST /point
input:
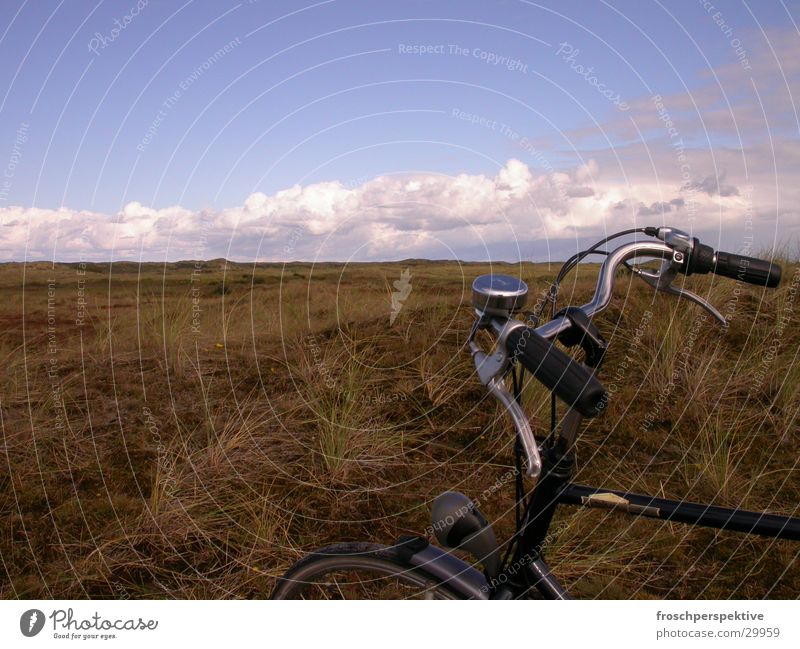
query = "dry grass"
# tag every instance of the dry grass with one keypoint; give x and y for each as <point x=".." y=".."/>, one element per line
<point x="165" y="448"/>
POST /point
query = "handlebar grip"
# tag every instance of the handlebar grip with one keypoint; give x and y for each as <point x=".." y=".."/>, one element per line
<point x="748" y="269"/>
<point x="571" y="381"/>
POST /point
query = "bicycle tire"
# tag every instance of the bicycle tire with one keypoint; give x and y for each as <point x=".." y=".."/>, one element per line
<point x="377" y="571"/>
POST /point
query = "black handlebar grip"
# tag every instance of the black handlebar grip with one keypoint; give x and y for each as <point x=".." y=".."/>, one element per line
<point x="748" y="269"/>
<point x="571" y="381"/>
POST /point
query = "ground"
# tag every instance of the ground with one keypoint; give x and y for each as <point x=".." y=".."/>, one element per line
<point x="189" y="430"/>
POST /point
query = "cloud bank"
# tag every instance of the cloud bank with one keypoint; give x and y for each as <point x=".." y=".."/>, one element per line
<point x="388" y="217"/>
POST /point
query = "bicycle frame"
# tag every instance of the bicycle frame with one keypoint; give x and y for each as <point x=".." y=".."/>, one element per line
<point x="555" y="488"/>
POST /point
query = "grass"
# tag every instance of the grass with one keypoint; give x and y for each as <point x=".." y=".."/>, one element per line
<point x="182" y="439"/>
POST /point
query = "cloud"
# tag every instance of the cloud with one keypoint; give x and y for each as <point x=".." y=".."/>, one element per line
<point x="742" y="104"/>
<point x="388" y="217"/>
<point x="713" y="186"/>
<point x="580" y="192"/>
<point x="379" y="218"/>
<point x="660" y="207"/>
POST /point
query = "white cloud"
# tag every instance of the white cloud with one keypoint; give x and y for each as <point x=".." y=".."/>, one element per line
<point x="389" y="217"/>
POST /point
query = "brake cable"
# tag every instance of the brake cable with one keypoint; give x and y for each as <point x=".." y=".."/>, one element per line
<point x="519" y="485"/>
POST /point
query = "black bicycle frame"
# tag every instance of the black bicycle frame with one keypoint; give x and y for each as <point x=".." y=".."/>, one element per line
<point x="680" y="511"/>
<point x="554" y="488"/>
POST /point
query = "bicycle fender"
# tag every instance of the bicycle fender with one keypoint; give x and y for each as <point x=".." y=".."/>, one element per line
<point x="447" y="568"/>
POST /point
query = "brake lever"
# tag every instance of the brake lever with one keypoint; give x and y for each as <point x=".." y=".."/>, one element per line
<point x="662" y="281"/>
<point x="491" y="370"/>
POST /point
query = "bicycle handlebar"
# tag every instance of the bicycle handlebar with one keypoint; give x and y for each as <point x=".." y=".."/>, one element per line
<point x="574" y="382"/>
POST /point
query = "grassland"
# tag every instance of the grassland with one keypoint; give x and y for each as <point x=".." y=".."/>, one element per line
<point x="189" y="430"/>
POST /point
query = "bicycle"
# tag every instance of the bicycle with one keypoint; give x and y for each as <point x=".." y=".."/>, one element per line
<point x="414" y="567"/>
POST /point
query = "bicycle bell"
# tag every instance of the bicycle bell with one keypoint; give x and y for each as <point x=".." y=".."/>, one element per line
<point x="499" y="295"/>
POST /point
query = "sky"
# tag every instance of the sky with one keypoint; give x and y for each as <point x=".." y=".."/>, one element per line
<point x="360" y="130"/>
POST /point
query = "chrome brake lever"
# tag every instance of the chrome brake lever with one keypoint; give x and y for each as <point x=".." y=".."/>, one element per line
<point x="662" y="281"/>
<point x="693" y="297"/>
<point x="491" y="370"/>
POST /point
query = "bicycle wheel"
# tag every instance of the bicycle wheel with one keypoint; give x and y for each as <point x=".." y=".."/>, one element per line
<point x="358" y="571"/>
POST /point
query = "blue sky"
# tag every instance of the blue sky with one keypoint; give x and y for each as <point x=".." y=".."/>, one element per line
<point x="281" y="130"/>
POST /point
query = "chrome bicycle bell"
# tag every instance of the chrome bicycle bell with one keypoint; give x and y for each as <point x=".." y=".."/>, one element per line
<point x="499" y="295"/>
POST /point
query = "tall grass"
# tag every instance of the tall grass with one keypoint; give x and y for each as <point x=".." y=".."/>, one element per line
<point x="299" y="416"/>
<point x="165" y="327"/>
